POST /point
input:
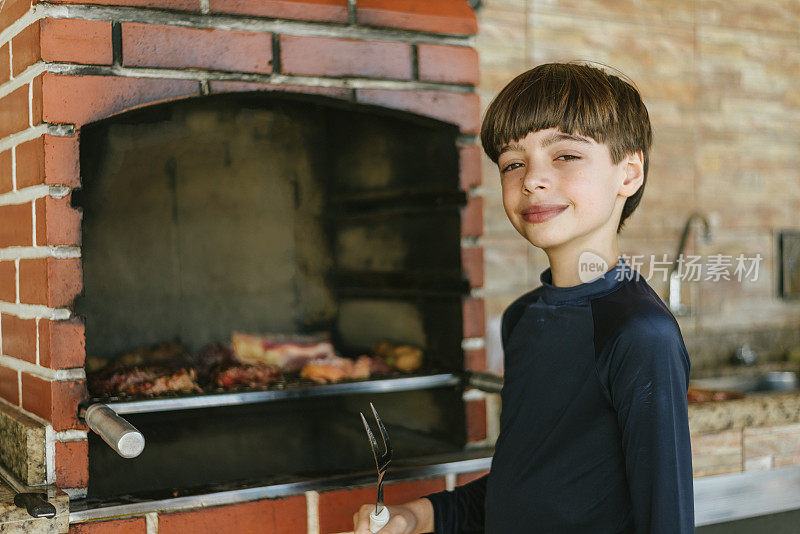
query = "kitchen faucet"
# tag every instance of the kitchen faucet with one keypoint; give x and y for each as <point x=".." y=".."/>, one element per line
<point x="675" y="304"/>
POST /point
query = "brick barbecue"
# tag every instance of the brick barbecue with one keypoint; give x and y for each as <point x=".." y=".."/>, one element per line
<point x="69" y="69"/>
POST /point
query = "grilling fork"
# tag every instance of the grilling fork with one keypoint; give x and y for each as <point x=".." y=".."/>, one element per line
<point x="380" y="516"/>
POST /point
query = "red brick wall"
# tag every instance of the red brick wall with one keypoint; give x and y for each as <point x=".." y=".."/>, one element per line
<point x="59" y="70"/>
<point x="329" y="512"/>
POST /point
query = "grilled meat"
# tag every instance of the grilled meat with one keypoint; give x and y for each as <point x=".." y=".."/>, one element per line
<point x="239" y="374"/>
<point x="208" y="359"/>
<point x="163" y="353"/>
<point x="143" y="380"/>
<point x="333" y="369"/>
<point x="248" y="361"/>
<point x="287" y="352"/>
<point x="407" y="358"/>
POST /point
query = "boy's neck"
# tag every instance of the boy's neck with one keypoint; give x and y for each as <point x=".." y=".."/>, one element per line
<point x="564" y="263"/>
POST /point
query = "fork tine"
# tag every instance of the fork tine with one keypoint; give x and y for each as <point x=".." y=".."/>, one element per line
<point x="372" y="442"/>
<point x="387" y="452"/>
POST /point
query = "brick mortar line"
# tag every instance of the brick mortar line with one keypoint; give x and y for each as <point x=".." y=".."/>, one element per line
<point x="31" y="193"/>
<point x="16" y="282"/>
<point x="223" y="21"/>
<point x="30" y="104"/>
<point x="476" y="191"/>
<point x="28" y="134"/>
<point x="75" y="493"/>
<point x="23" y="411"/>
<point x="493" y="406"/>
<point x="473" y="343"/>
<point x="14" y="168"/>
<point x="478" y="292"/>
<point x="32" y="311"/>
<point x="24" y="78"/>
<point x="51" y="375"/>
<point x="344" y="82"/>
<point x="482" y="444"/>
<point x="116" y="43"/>
<point x="473" y="395"/>
<point x="13" y="29"/>
<point x="50" y="453"/>
<point x="70" y="436"/>
<point x="229" y="22"/>
<point x="312" y="512"/>
<point x="204" y="88"/>
<point x="50" y="251"/>
<point x="38" y="361"/>
<point x="34" y="226"/>
<point x="151" y="522"/>
<point x="665" y="25"/>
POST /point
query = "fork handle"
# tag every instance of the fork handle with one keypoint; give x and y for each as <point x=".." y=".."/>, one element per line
<point x="379" y="520"/>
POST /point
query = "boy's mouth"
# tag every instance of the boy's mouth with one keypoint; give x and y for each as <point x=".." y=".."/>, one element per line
<point x="542" y="212"/>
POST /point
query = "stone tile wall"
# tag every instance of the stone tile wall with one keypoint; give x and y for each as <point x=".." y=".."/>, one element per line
<point x="720" y="82"/>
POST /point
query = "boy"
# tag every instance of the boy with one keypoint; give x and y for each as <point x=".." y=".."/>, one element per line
<point x="594" y="431"/>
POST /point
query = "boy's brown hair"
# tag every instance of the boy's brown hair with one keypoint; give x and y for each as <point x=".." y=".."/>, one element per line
<point x="575" y="98"/>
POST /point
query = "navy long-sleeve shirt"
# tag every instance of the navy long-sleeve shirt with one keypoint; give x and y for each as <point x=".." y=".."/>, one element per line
<point x="594" y="429"/>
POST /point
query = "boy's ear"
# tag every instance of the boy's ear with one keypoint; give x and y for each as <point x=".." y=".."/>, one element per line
<point x="634" y="173"/>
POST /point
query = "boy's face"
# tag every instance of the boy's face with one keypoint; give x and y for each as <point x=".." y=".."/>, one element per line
<point x="573" y="179"/>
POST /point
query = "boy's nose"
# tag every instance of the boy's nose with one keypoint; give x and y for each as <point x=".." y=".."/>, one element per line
<point x="535" y="180"/>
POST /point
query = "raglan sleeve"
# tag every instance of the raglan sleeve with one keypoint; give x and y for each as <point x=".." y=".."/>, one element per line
<point x="460" y="510"/>
<point x="648" y="377"/>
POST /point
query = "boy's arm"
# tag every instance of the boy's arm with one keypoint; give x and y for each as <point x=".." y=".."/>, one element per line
<point x="649" y="379"/>
<point x="460" y="510"/>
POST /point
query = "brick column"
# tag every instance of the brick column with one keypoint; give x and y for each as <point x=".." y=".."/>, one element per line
<point x="63" y="66"/>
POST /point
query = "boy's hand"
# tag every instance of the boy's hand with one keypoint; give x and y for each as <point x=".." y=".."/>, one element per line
<point x="408" y="518"/>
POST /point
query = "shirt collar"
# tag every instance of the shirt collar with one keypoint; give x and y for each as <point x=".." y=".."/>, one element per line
<point x="610" y="280"/>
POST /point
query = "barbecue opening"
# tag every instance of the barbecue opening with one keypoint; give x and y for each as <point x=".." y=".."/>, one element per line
<point x="250" y="241"/>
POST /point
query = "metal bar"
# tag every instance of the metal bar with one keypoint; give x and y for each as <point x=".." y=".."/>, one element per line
<point x="480" y="462"/>
<point x="214" y="400"/>
<point x="488" y="382"/>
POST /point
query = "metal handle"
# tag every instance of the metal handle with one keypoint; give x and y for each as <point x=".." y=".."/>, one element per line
<point x="36" y="504"/>
<point x="487" y="382"/>
<point x="116" y="431"/>
<point x="27" y="497"/>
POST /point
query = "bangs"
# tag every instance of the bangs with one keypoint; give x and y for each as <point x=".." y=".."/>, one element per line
<point x="576" y="99"/>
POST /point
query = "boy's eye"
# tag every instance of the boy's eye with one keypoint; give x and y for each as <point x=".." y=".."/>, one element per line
<point x="567" y="157"/>
<point x="509" y="167"/>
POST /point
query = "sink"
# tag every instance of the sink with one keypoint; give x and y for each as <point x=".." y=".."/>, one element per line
<point x="751" y="382"/>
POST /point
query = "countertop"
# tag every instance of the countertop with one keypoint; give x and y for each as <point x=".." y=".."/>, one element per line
<point x="754" y="410"/>
<point x="17" y="520"/>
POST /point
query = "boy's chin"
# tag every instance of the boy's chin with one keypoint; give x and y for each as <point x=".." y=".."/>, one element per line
<point x="543" y="238"/>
